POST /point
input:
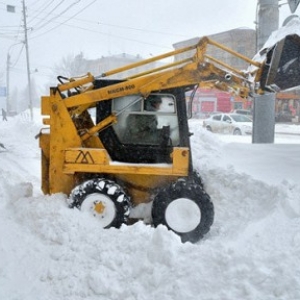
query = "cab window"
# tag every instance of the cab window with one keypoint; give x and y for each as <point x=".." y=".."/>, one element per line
<point x="146" y="120"/>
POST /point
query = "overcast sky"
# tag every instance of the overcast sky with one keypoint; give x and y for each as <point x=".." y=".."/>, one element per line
<point x="101" y="28"/>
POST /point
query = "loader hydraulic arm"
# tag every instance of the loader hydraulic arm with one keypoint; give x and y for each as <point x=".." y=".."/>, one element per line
<point x="194" y="65"/>
<point x="191" y="66"/>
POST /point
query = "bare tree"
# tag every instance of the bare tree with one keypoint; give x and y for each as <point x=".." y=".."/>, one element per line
<point x="22" y="101"/>
<point x="71" y="65"/>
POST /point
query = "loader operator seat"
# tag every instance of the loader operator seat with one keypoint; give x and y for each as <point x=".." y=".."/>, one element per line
<point x="141" y="129"/>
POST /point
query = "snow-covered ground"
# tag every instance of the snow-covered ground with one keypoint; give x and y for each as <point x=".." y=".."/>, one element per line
<point x="48" y="251"/>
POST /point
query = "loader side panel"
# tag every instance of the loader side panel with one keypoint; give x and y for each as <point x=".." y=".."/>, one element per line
<point x="184" y="132"/>
<point x="45" y="148"/>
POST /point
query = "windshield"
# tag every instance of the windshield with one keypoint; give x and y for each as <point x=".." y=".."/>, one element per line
<point x="241" y="118"/>
<point x="146" y="120"/>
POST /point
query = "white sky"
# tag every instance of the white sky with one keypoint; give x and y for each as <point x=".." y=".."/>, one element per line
<point x="100" y="28"/>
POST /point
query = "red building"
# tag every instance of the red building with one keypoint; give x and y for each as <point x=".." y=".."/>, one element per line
<point x="207" y="101"/>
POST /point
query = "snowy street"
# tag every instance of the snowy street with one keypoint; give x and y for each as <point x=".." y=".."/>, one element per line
<point x="49" y="251"/>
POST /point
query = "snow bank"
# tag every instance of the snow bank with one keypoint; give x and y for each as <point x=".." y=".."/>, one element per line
<point x="48" y="251"/>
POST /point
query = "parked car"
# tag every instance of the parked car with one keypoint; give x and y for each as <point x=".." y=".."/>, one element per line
<point x="229" y="124"/>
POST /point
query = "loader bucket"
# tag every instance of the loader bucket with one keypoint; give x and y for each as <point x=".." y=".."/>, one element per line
<point x="282" y="67"/>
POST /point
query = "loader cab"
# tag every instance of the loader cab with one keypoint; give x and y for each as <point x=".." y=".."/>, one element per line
<point x="146" y="121"/>
<point x="145" y="132"/>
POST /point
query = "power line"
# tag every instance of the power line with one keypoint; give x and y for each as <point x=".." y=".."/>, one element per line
<point x="131" y="28"/>
<point x="19" y="55"/>
<point x="97" y="23"/>
<point x="9" y="26"/>
<point x="7" y="37"/>
<point x="102" y="33"/>
<point x="40" y="10"/>
<point x="10" y="31"/>
<point x="67" y="19"/>
<point x="55" y="16"/>
<point x="99" y="32"/>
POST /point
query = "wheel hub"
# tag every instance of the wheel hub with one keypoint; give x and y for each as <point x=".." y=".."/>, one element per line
<point x="99" y="207"/>
<point x="183" y="215"/>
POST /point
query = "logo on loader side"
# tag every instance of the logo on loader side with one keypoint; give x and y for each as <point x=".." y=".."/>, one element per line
<point x="84" y="158"/>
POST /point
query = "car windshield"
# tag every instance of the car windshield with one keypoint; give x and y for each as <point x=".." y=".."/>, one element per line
<point x="240" y="118"/>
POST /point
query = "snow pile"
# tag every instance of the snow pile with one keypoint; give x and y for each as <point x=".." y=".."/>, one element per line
<point x="48" y="251"/>
<point x="292" y="27"/>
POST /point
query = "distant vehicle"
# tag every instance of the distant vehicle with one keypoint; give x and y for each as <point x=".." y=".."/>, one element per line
<point x="246" y="112"/>
<point x="284" y="116"/>
<point x="235" y="124"/>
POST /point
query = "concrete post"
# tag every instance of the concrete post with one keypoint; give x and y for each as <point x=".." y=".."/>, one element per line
<point x="264" y="118"/>
<point x="267" y="20"/>
<point x="264" y="105"/>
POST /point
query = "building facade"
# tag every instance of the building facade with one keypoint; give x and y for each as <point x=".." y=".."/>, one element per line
<point x="206" y="101"/>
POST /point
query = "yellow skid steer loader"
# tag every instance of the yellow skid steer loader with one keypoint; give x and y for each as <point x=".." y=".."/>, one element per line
<point x="112" y="144"/>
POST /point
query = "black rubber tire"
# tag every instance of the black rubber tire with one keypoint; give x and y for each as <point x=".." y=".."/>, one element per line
<point x="190" y="189"/>
<point x="109" y="189"/>
<point x="237" y="131"/>
<point x="208" y="128"/>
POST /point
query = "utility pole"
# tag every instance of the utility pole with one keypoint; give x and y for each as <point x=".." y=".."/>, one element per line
<point x="267" y="21"/>
<point x="27" y="61"/>
<point x="7" y="83"/>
